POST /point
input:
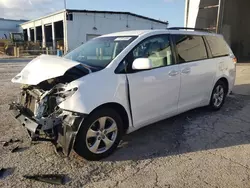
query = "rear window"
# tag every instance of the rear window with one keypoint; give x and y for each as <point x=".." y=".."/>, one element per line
<point x="190" y="48"/>
<point x="218" y="46"/>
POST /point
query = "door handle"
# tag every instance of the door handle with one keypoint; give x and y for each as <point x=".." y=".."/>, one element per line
<point x="186" y="70"/>
<point x="173" y="73"/>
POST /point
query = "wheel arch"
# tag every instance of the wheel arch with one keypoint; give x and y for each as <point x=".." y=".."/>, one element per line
<point x="118" y="108"/>
<point x="225" y="81"/>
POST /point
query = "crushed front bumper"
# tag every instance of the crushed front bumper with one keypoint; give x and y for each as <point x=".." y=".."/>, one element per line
<point x="64" y="133"/>
<point x="24" y="118"/>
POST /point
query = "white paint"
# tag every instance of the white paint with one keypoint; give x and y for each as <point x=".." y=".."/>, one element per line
<point x="154" y="94"/>
<point x="43" y="36"/>
<point x="191" y="13"/>
<point x="53" y="35"/>
<point x="122" y="38"/>
<point x="43" y="68"/>
<point x="83" y="24"/>
<point x="194" y="76"/>
<point x="28" y="33"/>
<point x="142" y="64"/>
<point x="88" y="96"/>
<point x="127" y="33"/>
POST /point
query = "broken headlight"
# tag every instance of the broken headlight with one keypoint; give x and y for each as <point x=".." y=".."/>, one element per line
<point x="63" y="95"/>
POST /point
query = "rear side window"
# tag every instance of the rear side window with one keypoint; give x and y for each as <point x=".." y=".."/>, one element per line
<point x="218" y="46"/>
<point x="190" y="48"/>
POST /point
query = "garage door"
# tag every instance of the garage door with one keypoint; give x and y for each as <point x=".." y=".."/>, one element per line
<point x="91" y="36"/>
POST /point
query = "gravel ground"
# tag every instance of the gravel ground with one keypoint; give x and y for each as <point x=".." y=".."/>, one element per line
<point x="195" y="149"/>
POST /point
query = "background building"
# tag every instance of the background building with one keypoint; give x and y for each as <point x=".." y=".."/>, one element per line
<point x="228" y="17"/>
<point x="8" y="26"/>
<point x="74" y="27"/>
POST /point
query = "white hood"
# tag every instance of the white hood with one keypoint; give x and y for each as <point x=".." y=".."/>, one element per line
<point x="43" y="68"/>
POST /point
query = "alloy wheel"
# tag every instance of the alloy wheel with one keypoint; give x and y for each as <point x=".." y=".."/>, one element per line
<point x="218" y="96"/>
<point x="101" y="135"/>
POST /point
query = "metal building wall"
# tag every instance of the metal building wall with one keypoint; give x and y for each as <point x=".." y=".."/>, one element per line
<point x="43" y="22"/>
<point x="95" y="24"/>
<point x="80" y="26"/>
<point x="230" y="18"/>
<point x="7" y="26"/>
<point x="236" y="27"/>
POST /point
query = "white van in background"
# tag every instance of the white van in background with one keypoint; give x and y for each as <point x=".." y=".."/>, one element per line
<point x="117" y="83"/>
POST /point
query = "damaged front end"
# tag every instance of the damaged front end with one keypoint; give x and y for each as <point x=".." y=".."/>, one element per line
<point x="37" y="109"/>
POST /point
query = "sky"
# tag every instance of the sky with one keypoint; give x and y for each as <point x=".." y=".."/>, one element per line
<point x="166" y="10"/>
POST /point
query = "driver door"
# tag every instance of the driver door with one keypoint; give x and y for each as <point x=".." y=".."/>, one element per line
<point x="153" y="93"/>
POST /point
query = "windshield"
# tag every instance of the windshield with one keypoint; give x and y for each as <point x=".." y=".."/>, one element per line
<point x="99" y="52"/>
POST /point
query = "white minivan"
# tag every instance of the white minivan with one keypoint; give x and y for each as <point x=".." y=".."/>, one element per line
<point x="120" y="82"/>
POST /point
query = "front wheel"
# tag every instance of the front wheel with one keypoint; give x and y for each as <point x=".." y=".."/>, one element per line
<point x="218" y="96"/>
<point x="99" y="135"/>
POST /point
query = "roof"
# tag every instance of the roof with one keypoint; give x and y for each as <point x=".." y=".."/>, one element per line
<point x="158" y="31"/>
<point x="191" y="32"/>
<point x="97" y="12"/>
<point x="46" y="16"/>
<point x="12" y="20"/>
<point x="128" y="33"/>
<point x="118" y="12"/>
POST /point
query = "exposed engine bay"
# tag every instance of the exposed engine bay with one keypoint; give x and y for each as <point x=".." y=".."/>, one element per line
<point x="37" y="109"/>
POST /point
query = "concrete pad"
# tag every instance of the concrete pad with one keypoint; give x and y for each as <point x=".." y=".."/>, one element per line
<point x="242" y="83"/>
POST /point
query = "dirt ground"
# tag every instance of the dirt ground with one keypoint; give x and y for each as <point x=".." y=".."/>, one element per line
<point x="195" y="149"/>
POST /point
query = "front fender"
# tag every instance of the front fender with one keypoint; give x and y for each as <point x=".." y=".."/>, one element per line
<point x="96" y="89"/>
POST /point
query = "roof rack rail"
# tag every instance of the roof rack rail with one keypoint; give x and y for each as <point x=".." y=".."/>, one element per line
<point x="189" y="28"/>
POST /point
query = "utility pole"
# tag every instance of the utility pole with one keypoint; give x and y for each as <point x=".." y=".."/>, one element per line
<point x="65" y="26"/>
<point x="186" y="13"/>
<point x="65" y="4"/>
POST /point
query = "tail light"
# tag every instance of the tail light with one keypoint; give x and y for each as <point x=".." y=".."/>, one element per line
<point x="235" y="60"/>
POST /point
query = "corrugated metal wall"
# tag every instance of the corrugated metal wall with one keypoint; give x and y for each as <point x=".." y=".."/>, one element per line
<point x="233" y="22"/>
<point x="7" y="26"/>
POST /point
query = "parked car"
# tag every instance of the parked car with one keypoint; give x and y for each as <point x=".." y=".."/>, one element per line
<point x="120" y="82"/>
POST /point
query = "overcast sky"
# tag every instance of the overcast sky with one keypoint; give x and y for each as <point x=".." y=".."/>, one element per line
<point x="167" y="10"/>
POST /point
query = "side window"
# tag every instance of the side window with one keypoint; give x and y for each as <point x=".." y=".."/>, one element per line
<point x="190" y="48"/>
<point x="218" y="46"/>
<point x="157" y="49"/>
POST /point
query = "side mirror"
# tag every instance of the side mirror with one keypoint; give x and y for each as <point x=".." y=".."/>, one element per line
<point x="142" y="64"/>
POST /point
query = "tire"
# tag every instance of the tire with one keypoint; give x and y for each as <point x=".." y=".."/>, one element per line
<point x="91" y="134"/>
<point x="218" y="96"/>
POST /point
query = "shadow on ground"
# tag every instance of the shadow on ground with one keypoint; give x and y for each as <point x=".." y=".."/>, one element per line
<point x="196" y="130"/>
<point x="243" y="89"/>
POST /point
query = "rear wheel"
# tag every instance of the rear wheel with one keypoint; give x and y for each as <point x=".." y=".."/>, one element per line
<point x="99" y="134"/>
<point x="218" y="95"/>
